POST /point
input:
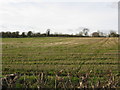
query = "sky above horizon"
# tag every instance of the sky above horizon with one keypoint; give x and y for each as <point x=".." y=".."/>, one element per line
<point x="60" y="17"/>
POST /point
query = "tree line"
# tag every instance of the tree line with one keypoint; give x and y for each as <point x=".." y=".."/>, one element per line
<point x="83" y="33"/>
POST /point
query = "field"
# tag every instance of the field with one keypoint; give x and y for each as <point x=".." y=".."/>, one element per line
<point x="61" y="62"/>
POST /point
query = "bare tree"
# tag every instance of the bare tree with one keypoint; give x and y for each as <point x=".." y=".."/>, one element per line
<point x="85" y="31"/>
<point x="48" y="32"/>
<point x="113" y="34"/>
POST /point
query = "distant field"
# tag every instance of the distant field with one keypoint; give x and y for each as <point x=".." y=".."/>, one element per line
<point x="53" y="54"/>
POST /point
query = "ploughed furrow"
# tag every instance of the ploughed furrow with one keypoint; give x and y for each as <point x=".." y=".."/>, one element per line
<point x="65" y="54"/>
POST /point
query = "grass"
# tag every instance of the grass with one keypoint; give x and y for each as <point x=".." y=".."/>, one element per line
<point x="52" y="54"/>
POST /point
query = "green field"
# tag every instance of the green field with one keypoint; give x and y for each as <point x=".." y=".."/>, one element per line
<point x="51" y="55"/>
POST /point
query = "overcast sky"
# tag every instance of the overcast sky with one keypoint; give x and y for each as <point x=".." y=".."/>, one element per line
<point x="60" y="16"/>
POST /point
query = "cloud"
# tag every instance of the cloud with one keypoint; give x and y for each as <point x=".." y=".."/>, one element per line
<point x="59" y="17"/>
